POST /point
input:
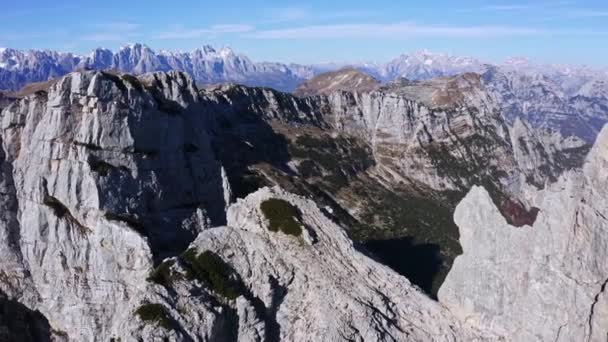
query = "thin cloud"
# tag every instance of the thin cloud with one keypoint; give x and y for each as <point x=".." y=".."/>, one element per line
<point x="14" y="36"/>
<point x="393" y="30"/>
<point x="231" y="28"/>
<point x="215" y="30"/>
<point x="293" y="14"/>
<point x="111" y="32"/>
<point x="117" y="26"/>
<point x="287" y="14"/>
<point x="107" y="37"/>
<point x="519" y="7"/>
<point x="588" y="13"/>
<point x="20" y="36"/>
<point x="503" y="8"/>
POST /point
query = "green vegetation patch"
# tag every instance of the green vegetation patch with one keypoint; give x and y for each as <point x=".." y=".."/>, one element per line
<point x="334" y="160"/>
<point x="154" y="313"/>
<point x="282" y="216"/>
<point x="162" y="273"/>
<point x="103" y="168"/>
<point x="217" y="275"/>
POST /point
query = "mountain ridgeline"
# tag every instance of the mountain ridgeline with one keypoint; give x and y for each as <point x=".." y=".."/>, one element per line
<point x="145" y="207"/>
<point x="566" y="99"/>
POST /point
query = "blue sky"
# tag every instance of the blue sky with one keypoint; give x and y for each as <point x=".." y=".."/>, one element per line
<point x="574" y="32"/>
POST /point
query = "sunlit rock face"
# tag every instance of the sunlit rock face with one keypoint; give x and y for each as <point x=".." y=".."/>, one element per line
<point x="545" y="281"/>
<point x="101" y="174"/>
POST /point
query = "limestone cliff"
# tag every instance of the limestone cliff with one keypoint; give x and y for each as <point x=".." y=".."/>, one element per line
<point x="541" y="282"/>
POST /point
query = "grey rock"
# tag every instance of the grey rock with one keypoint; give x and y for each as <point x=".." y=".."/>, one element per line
<point x="541" y="282"/>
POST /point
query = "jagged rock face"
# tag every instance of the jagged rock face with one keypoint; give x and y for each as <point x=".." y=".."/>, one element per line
<point x="316" y="286"/>
<point x="18" y="68"/>
<point x="348" y="79"/>
<point x="98" y="172"/>
<point x="235" y="102"/>
<point x="541" y="282"/>
<point x="547" y="101"/>
<point x="102" y="173"/>
<point x="423" y="65"/>
<point x="446" y="133"/>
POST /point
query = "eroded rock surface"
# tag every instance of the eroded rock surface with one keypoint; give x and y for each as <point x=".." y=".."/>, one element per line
<point x="101" y="174"/>
<point x="316" y="286"/>
<point x="541" y="282"/>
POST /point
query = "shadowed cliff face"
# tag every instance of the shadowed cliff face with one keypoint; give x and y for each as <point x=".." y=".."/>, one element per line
<point x="127" y="149"/>
<point x="109" y="174"/>
<point x="18" y="323"/>
<point x="420" y="263"/>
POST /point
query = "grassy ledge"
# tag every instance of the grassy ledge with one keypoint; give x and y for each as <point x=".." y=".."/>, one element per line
<point x="217" y="275"/>
<point x="154" y="313"/>
<point x="162" y="273"/>
<point x="282" y="216"/>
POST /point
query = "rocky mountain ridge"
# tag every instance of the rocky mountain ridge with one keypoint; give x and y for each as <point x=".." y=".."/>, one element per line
<point x="119" y="217"/>
<point x="571" y="100"/>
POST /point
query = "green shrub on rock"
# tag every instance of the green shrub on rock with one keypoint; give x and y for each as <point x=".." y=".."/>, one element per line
<point x="217" y="275"/>
<point x="282" y="216"/>
<point x="162" y="273"/>
<point x="154" y="313"/>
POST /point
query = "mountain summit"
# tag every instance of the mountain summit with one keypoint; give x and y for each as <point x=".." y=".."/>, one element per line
<point x="347" y="79"/>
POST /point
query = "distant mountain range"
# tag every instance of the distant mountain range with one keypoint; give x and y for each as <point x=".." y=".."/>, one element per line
<point x="573" y="100"/>
<point x="206" y="65"/>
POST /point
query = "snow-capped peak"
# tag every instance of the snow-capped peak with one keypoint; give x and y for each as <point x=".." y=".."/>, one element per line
<point x="135" y="46"/>
<point x="226" y="52"/>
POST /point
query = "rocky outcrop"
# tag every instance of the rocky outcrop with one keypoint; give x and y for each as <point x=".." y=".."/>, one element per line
<point x="311" y="286"/>
<point x="103" y="174"/>
<point x="541" y="282"/>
